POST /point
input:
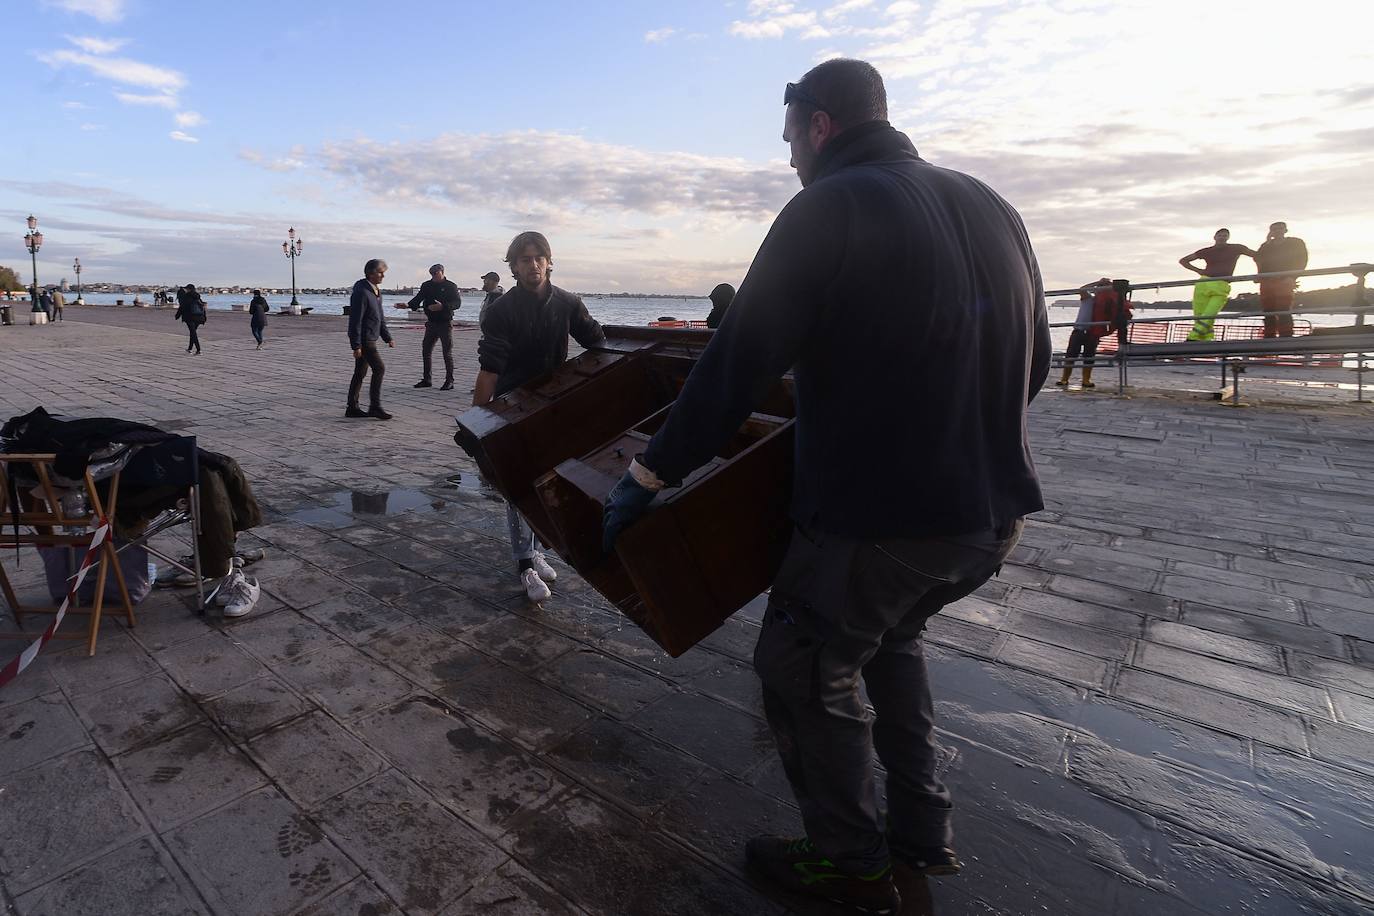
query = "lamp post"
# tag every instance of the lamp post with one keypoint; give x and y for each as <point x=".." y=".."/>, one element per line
<point x="34" y="241"/>
<point x="76" y="266"/>
<point x="292" y="249"/>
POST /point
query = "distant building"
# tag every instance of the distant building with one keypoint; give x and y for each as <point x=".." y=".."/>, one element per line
<point x="63" y="285"/>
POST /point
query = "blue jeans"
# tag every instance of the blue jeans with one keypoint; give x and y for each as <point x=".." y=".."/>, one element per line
<point x="523" y="544"/>
<point x="257" y="332"/>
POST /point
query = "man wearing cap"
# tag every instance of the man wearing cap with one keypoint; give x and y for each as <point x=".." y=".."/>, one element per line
<point x="906" y="301"/>
<point x="491" y="285"/>
<point x="438" y="297"/>
<point x="1279" y="252"/>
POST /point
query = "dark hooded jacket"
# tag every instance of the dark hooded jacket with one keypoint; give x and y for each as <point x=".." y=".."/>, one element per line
<point x="908" y="303"/>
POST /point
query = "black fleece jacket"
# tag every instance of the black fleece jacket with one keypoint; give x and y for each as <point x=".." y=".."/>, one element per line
<point x="908" y="303"/>
<point x="444" y="292"/>
<point x="523" y="337"/>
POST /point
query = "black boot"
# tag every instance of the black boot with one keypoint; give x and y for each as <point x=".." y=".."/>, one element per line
<point x="424" y="383"/>
<point x="376" y="412"/>
<point x="354" y="411"/>
<point x="447" y="385"/>
<point x="794" y="864"/>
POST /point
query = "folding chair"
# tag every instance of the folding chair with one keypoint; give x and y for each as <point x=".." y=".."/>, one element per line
<point x="173" y="463"/>
<point x="41" y="511"/>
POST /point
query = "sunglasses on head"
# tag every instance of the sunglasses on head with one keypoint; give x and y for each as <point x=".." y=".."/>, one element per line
<point x="795" y="93"/>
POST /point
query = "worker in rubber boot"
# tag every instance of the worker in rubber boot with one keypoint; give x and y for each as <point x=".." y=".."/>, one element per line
<point x="907" y="301"/>
<point x="1209" y="296"/>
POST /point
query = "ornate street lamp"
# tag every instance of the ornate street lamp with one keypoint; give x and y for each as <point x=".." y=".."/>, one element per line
<point x="34" y="241"/>
<point x="292" y="249"/>
<point x="76" y="266"/>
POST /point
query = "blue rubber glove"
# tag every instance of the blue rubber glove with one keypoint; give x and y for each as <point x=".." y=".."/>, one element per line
<point x="625" y="503"/>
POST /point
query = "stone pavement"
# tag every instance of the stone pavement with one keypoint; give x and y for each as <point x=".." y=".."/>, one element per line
<point x="1165" y="704"/>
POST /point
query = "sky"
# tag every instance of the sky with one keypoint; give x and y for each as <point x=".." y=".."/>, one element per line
<point x="173" y="142"/>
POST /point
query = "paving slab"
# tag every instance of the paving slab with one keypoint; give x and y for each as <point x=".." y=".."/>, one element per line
<point x="123" y="717"/>
<point x="417" y="851"/>
<point x="468" y="768"/>
<point x="313" y="758"/>
<point x="139" y="879"/>
<point x="37" y="729"/>
<point x="60" y="814"/>
<point x="280" y="859"/>
<point x="186" y="775"/>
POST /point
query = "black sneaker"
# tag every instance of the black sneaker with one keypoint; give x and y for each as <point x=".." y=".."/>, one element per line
<point x="933" y="861"/>
<point x="354" y="412"/>
<point x="424" y="383"/>
<point x="376" y="412"/>
<point x="795" y="865"/>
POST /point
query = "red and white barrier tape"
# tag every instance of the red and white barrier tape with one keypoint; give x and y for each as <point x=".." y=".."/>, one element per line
<point x="25" y="658"/>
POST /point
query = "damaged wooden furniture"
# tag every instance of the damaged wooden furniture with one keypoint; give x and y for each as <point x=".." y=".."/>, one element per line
<point x="39" y="509"/>
<point x="556" y="447"/>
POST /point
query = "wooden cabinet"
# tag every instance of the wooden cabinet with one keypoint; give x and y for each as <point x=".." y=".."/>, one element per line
<point x="557" y="446"/>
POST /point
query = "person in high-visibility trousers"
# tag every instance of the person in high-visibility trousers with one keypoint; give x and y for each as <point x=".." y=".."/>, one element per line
<point x="1209" y="296"/>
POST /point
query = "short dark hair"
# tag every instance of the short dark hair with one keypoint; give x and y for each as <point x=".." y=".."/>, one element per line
<point x="373" y="264"/>
<point x="257" y="292"/>
<point x="523" y="241"/>
<point x="851" y="91"/>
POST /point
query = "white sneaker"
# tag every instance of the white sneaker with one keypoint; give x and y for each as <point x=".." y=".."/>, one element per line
<point x="229" y="582"/>
<point x="541" y="566"/>
<point x="243" y="596"/>
<point x="535" y="589"/>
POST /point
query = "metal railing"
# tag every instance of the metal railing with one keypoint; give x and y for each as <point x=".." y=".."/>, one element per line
<point x="1122" y="357"/>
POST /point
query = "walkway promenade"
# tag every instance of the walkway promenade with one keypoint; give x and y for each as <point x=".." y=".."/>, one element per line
<point x="1165" y="704"/>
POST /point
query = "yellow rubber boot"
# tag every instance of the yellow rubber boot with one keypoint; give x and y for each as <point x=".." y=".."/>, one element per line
<point x="1088" y="377"/>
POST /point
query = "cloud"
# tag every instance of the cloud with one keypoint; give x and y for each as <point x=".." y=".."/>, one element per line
<point x="157" y="100"/>
<point x="542" y="176"/>
<point x="845" y="7"/>
<point x="93" y="45"/>
<point x="183" y="137"/>
<point x="774" y="20"/>
<point x="189" y="119"/>
<point x="74" y="106"/>
<point x="118" y="70"/>
<point x="92" y="126"/>
<point x="656" y="35"/>
<point x="103" y="10"/>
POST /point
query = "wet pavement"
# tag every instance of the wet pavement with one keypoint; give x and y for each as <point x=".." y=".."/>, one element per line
<point x="1165" y="704"/>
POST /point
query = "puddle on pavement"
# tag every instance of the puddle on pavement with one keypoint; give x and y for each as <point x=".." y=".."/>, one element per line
<point x="343" y="508"/>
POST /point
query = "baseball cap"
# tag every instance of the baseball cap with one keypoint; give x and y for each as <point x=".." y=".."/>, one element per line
<point x="491" y="275"/>
<point x="435" y="268"/>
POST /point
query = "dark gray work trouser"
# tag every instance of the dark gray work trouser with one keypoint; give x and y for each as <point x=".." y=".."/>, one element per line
<point x="443" y="334"/>
<point x="841" y="609"/>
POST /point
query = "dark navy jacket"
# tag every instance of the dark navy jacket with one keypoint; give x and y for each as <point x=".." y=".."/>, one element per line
<point x="908" y="303"/>
<point x="366" y="321"/>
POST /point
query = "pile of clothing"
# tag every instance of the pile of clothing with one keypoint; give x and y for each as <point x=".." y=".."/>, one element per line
<point x="157" y="468"/>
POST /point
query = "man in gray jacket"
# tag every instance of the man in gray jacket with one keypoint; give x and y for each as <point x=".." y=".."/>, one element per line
<point x="367" y="323"/>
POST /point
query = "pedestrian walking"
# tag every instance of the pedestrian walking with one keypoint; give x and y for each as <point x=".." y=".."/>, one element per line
<point x="257" y="315"/>
<point x="59" y="302"/>
<point x="904" y="500"/>
<point x="438" y="298"/>
<point x="1210" y="296"/>
<point x="45" y="302"/>
<point x="524" y="335"/>
<point x="191" y="309"/>
<point x="1279" y="252"/>
<point x="366" y="325"/>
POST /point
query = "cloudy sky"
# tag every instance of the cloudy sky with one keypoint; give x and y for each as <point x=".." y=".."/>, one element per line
<point x="166" y="141"/>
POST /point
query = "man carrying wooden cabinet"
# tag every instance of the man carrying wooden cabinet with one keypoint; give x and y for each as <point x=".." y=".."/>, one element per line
<point x="907" y="302"/>
<point x="524" y="335"/>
